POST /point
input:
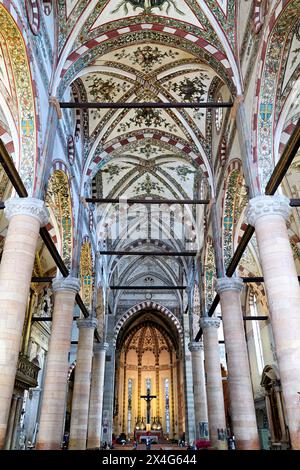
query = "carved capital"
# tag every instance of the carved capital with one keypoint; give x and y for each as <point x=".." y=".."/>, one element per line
<point x="209" y="322"/>
<point x="194" y="346"/>
<point x="228" y="284"/>
<point x="87" y="323"/>
<point x="99" y="347"/>
<point x="261" y="206"/>
<point x="27" y="206"/>
<point x="66" y="284"/>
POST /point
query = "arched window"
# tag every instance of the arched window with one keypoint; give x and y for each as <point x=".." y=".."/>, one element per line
<point x="167" y="406"/>
<point x="148" y="385"/>
<point x="129" y="406"/>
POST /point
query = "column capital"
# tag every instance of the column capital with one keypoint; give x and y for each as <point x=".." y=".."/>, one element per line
<point x="27" y="206"/>
<point x="99" y="347"/>
<point x="195" y="346"/>
<point x="224" y="284"/>
<point x="209" y="322"/>
<point x="66" y="284"/>
<point x="88" y="322"/>
<point x="260" y="206"/>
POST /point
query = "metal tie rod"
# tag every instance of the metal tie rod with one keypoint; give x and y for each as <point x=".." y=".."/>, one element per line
<point x="134" y="105"/>
<point x="146" y="201"/>
<point x="149" y="253"/>
<point x="145" y="288"/>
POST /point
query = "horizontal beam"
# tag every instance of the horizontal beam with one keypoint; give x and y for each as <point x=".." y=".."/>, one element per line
<point x="42" y="279"/>
<point x="252" y="279"/>
<point x="295" y="202"/>
<point x="134" y="105"/>
<point x="42" y="319"/>
<point x="251" y="318"/>
<point x="147" y="287"/>
<point x="146" y="201"/>
<point x="256" y="318"/>
<point x="149" y="253"/>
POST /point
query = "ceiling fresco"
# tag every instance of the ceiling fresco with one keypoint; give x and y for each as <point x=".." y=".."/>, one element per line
<point x="196" y="15"/>
<point x="147" y="51"/>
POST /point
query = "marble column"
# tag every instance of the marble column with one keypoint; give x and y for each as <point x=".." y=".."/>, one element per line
<point x="56" y="375"/>
<point x="96" y="399"/>
<point x="26" y="216"/>
<point x="200" y="401"/>
<point x="239" y="379"/>
<point x="188" y="385"/>
<point x="82" y="384"/>
<point x="214" y="387"/>
<point x="109" y="387"/>
<point x="268" y="215"/>
<point x="10" y="424"/>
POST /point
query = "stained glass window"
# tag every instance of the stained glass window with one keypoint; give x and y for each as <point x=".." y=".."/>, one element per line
<point x="167" y="406"/>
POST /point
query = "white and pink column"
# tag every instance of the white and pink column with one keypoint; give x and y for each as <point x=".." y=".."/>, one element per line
<point x="239" y="380"/>
<point x="268" y="214"/>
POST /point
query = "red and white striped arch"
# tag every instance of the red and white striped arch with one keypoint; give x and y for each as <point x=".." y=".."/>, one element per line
<point x="157" y="136"/>
<point x="148" y="305"/>
<point x="75" y="55"/>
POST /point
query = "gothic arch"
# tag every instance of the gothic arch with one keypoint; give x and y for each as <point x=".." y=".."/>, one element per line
<point x="58" y="198"/>
<point x="209" y="273"/>
<point x="275" y="53"/>
<point x="234" y="203"/>
<point x="17" y="84"/>
<point x="81" y="56"/>
<point x="148" y="305"/>
<point x="86" y="273"/>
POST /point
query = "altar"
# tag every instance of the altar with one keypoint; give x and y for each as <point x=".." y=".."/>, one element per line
<point x="153" y="435"/>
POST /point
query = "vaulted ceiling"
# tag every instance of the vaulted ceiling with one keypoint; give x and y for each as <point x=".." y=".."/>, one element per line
<point x="148" y="51"/>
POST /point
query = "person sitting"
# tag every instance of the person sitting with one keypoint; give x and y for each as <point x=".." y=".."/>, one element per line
<point x="135" y="445"/>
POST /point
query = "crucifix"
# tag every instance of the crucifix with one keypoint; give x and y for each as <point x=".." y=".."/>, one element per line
<point x="148" y="399"/>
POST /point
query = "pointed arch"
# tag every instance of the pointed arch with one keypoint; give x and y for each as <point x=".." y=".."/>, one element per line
<point x="148" y="305"/>
<point x="209" y="273"/>
<point x="272" y="75"/>
<point x="86" y="273"/>
<point x="18" y="87"/>
<point x="58" y="199"/>
<point x="234" y="202"/>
